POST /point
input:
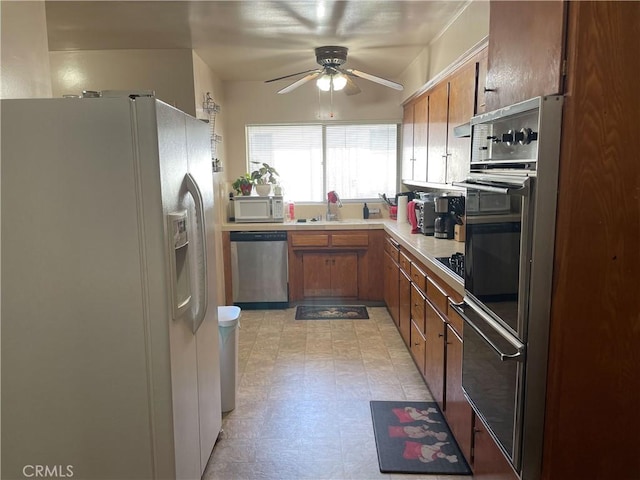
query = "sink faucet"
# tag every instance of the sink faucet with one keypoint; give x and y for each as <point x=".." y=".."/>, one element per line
<point x="332" y="197"/>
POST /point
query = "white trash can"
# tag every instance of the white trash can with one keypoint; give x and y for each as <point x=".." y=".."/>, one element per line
<point x="228" y="323"/>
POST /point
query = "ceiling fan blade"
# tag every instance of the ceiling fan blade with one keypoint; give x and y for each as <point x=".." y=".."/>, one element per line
<point x="292" y="75"/>
<point x="351" y="88"/>
<point x="373" y="78"/>
<point x="302" y="81"/>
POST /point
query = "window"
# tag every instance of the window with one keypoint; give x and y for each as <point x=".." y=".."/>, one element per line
<point x="356" y="160"/>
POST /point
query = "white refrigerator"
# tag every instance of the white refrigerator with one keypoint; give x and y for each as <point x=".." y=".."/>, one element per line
<point x="109" y="333"/>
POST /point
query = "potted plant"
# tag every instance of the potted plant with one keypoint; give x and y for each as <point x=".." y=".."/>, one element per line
<point x="243" y="184"/>
<point x="264" y="178"/>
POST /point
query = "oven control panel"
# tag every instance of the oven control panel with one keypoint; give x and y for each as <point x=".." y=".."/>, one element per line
<point x="509" y="139"/>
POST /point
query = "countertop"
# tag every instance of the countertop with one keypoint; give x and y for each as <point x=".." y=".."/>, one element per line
<point x="424" y="248"/>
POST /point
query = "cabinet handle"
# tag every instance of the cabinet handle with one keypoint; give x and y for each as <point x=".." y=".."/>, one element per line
<point x="440" y="335"/>
<point x="333" y="262"/>
<point x="489" y="89"/>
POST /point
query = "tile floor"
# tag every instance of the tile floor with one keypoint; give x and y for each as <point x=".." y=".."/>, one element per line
<point x="302" y="407"/>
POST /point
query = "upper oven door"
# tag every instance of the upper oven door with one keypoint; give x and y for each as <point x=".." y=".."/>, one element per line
<point x="497" y="250"/>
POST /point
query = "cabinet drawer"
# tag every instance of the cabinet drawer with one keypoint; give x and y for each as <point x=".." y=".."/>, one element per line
<point x="350" y="240"/>
<point x="418" y="277"/>
<point x="392" y="249"/>
<point x="455" y="321"/>
<point x="437" y="296"/>
<point x="308" y="240"/>
<point x="418" y="347"/>
<point x="405" y="263"/>
<point x="418" y="308"/>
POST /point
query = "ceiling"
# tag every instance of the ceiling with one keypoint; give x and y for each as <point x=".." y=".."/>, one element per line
<point x="255" y="39"/>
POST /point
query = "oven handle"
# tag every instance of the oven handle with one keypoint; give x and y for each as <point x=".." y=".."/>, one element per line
<point x="520" y="190"/>
<point x="503" y="356"/>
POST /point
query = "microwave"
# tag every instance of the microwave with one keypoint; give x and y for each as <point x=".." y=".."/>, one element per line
<point x="258" y="209"/>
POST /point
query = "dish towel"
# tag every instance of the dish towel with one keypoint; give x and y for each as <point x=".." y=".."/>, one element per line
<point x="413" y="219"/>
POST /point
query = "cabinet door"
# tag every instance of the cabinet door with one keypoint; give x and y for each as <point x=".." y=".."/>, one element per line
<point x="391" y="291"/>
<point x="462" y="87"/>
<point x="420" y="138"/>
<point x="526" y="50"/>
<point x="316" y="274"/>
<point x="457" y="410"/>
<point x="434" y="363"/>
<point x="482" y="82"/>
<point x="408" y="158"/>
<point x="488" y="460"/>
<point x="417" y="307"/>
<point x="417" y="347"/>
<point x="437" y="138"/>
<point x="404" y="322"/>
<point x="344" y="275"/>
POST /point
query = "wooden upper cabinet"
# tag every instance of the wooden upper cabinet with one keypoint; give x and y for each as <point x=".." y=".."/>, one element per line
<point x="480" y="104"/>
<point x="414" y="139"/>
<point x="462" y="88"/>
<point x="420" y="138"/>
<point x="437" y="135"/>
<point x="408" y="158"/>
<point x="526" y="51"/>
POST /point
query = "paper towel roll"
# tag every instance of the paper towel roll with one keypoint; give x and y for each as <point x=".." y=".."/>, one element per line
<point x="402" y="208"/>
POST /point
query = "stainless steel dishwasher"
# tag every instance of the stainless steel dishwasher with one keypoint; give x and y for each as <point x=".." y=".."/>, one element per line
<point x="259" y="269"/>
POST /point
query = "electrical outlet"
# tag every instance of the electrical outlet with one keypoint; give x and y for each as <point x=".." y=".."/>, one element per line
<point x="374" y="210"/>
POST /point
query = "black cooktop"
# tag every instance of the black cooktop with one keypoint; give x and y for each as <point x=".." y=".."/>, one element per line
<point x="455" y="263"/>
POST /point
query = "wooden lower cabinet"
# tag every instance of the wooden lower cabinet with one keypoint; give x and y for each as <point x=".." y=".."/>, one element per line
<point x="433" y="334"/>
<point x="338" y="263"/>
<point x="458" y="412"/>
<point x="330" y="275"/>
<point x="418" y="345"/>
<point x="488" y="462"/>
<point x="417" y="307"/>
<point x="434" y="368"/>
<point x="391" y="290"/>
<point x="404" y="322"/>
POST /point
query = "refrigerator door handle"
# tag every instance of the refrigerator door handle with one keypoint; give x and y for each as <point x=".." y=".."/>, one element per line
<point x="194" y="191"/>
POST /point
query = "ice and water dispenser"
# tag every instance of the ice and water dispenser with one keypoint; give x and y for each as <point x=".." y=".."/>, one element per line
<point x="179" y="259"/>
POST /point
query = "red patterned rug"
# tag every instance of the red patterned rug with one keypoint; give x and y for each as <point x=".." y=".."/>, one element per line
<point x="413" y="437"/>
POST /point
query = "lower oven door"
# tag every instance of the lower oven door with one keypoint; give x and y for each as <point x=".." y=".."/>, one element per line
<point x="492" y="376"/>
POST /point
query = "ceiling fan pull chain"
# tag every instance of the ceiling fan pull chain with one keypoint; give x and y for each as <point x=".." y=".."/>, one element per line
<point x="331" y="96"/>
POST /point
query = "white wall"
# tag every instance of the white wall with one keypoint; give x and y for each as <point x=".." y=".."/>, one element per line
<point x="24" y="60"/>
<point x="168" y="72"/>
<point x="469" y="28"/>
<point x="204" y="81"/>
<point x="257" y="102"/>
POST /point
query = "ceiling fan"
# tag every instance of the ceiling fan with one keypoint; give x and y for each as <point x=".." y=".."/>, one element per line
<point x="332" y="76"/>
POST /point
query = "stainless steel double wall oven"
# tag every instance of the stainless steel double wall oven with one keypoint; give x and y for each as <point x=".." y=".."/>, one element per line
<point x="508" y="270"/>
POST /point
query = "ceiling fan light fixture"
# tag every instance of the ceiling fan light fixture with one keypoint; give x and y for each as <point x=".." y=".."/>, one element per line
<point x="339" y="81"/>
<point x="324" y="82"/>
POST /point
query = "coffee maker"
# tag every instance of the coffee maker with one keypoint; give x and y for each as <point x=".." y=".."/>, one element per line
<point x="448" y="210"/>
